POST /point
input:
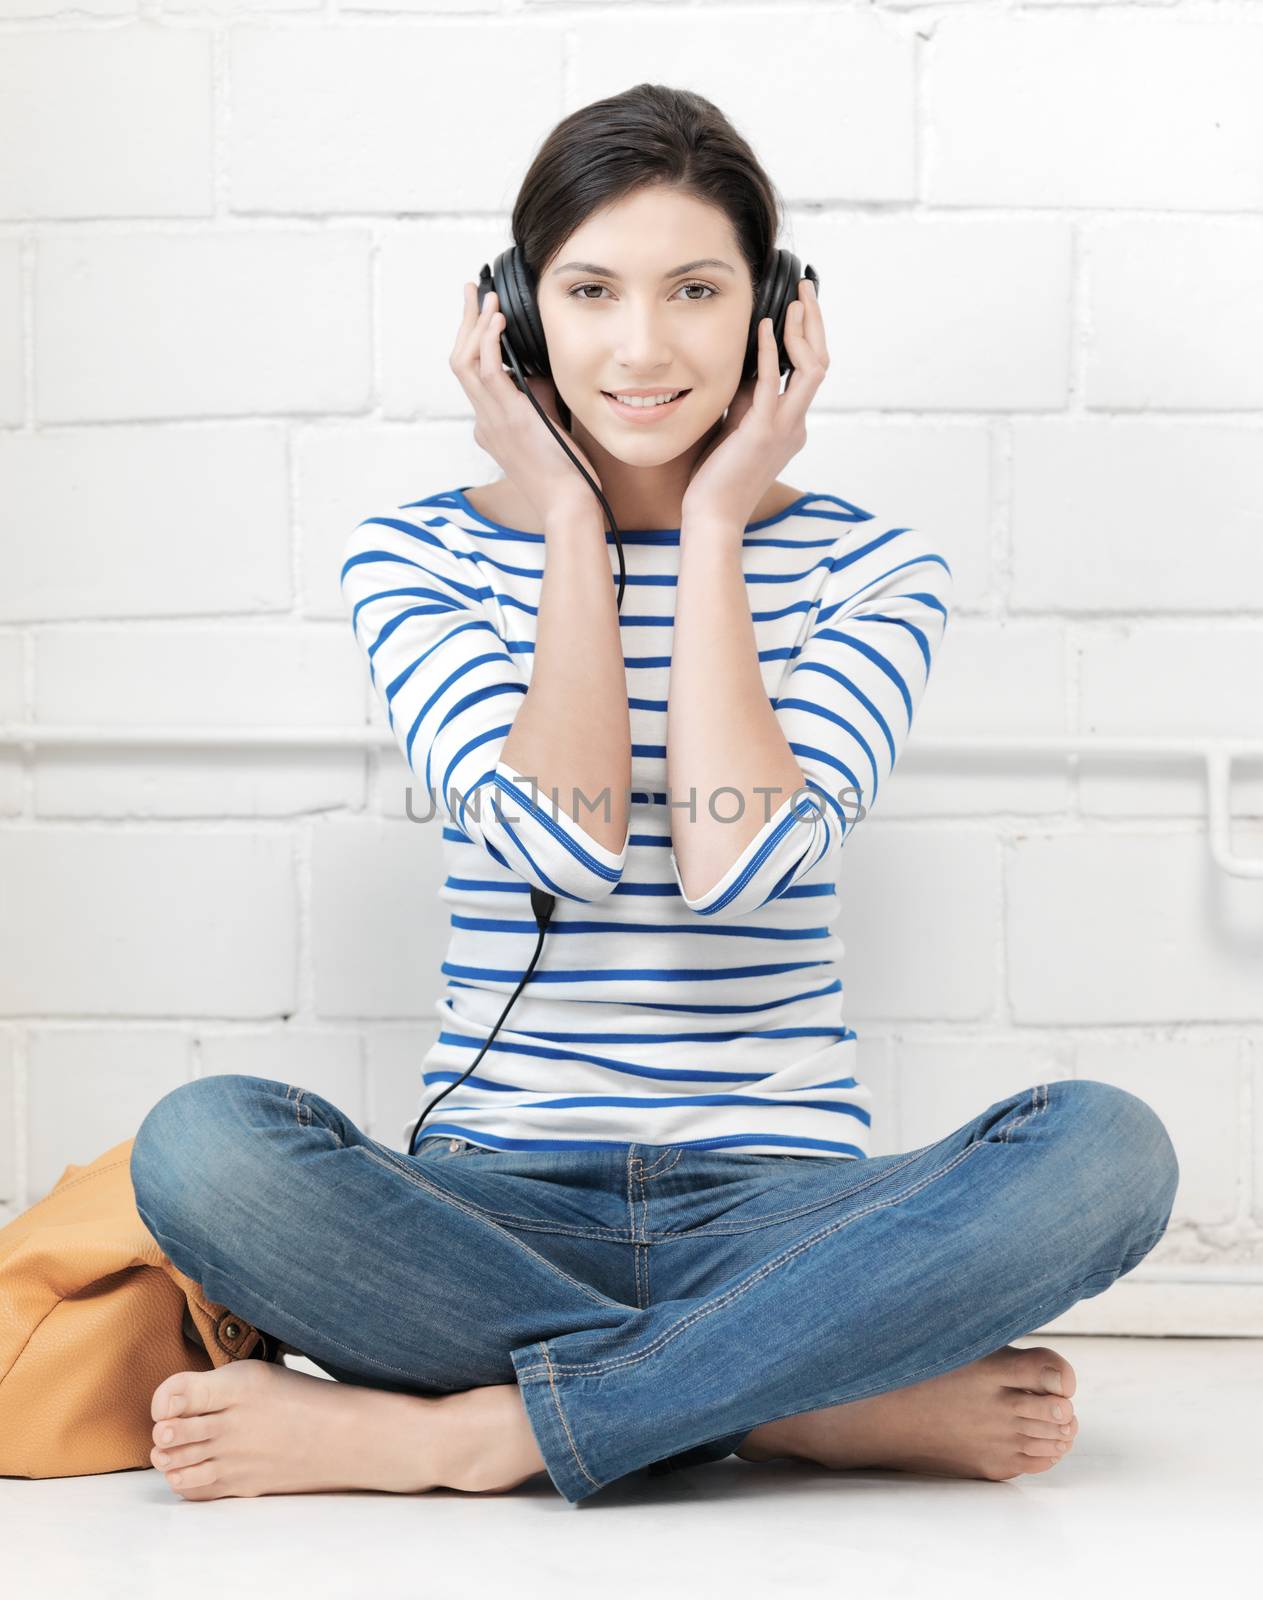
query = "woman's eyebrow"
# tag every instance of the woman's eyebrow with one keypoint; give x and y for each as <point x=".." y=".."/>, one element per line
<point x="604" y="272"/>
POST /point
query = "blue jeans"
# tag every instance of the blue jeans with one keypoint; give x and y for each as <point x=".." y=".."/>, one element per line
<point x="653" y="1303"/>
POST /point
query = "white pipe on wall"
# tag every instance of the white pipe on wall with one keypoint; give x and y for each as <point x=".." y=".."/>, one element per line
<point x="1216" y="755"/>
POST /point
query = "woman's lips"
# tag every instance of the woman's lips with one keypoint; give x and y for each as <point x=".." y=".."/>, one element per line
<point x="644" y="414"/>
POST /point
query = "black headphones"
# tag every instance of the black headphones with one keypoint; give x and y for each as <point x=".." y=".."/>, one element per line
<point x="525" y="352"/>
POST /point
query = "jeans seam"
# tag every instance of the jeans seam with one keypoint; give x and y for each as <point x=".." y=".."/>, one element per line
<point x="299" y="1109"/>
<point x="561" y="1417"/>
<point x="646" y="1291"/>
<point x="598" y="1368"/>
<point x="1133" y="1258"/>
<point x="633" y="1162"/>
<point x="665" y="1162"/>
<point x="658" y="1167"/>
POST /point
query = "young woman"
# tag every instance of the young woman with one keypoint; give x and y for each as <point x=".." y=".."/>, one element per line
<point x="647" y="1230"/>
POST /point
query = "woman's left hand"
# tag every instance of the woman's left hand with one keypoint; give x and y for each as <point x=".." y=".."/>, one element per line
<point x="763" y="429"/>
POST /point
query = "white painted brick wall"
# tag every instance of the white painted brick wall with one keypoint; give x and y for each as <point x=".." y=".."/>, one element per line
<point x="12" y="341"/>
<point x="232" y="244"/>
<point x="113" y="122"/>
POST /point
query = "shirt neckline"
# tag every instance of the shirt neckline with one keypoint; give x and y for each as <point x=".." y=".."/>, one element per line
<point x="635" y="533"/>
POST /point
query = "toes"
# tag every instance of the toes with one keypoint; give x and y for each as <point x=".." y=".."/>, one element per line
<point x="1050" y="1358"/>
<point x="200" y="1476"/>
<point x="1048" y="1408"/>
<point x="1027" y="1371"/>
<point x="181" y="1430"/>
<point x="174" y="1460"/>
<point x="187" y="1394"/>
<point x="182" y="1394"/>
<point x="1030" y="1429"/>
<point x="1007" y="1467"/>
<point x="1041" y="1448"/>
<point x="1022" y="1461"/>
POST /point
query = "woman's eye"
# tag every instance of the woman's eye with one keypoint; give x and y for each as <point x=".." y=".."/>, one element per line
<point x="577" y="292"/>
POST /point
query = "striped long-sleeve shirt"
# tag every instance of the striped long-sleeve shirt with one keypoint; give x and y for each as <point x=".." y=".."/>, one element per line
<point x="650" y="1017"/>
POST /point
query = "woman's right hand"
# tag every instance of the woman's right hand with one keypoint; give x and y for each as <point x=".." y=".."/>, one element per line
<point x="506" y="424"/>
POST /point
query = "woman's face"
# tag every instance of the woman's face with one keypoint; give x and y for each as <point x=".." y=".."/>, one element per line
<point x="641" y="323"/>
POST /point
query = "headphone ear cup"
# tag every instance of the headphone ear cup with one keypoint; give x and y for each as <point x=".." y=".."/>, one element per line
<point x="515" y="292"/>
<point x="777" y="293"/>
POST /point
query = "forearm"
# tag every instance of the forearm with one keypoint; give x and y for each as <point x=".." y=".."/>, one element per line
<point x="572" y="731"/>
<point x="722" y="733"/>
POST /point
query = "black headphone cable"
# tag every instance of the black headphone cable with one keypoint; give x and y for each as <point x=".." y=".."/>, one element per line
<point x="542" y="903"/>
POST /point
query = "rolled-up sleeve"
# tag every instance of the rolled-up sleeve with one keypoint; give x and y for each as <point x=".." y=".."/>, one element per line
<point x="424" y="617"/>
<point x="846" y="708"/>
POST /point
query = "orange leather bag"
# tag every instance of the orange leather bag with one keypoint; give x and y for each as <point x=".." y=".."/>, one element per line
<point x="93" y="1316"/>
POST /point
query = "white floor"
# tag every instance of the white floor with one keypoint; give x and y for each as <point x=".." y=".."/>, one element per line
<point x="1161" y="1495"/>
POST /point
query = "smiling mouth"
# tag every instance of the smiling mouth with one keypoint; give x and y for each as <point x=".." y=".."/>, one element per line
<point x="646" y="410"/>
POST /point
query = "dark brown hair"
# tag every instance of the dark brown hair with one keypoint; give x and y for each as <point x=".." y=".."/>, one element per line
<point x="649" y="134"/>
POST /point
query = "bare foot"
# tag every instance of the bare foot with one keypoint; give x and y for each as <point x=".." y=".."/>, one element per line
<point x="995" y="1418"/>
<point x="254" y="1427"/>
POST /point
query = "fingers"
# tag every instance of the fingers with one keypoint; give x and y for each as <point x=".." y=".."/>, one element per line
<point x="490" y="355"/>
<point x="467" y="350"/>
<point x="804" y="325"/>
<point x="767" y="385"/>
<point x="804" y="340"/>
<point x="477" y="357"/>
<point x="469" y="318"/>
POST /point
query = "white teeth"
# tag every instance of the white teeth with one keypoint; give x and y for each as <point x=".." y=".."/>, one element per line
<point x="646" y="400"/>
